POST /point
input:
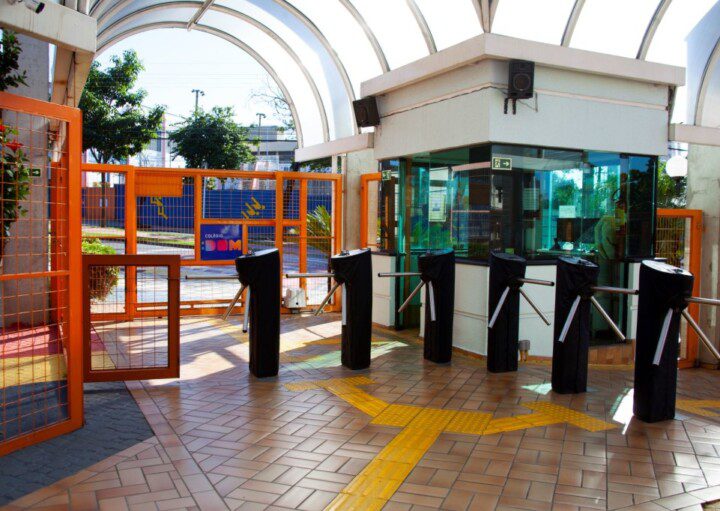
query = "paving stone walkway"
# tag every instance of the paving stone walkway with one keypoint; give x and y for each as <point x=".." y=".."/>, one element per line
<point x="320" y="436"/>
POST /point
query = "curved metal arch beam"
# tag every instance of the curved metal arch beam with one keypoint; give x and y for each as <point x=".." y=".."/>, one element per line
<point x="300" y="16"/>
<point x="485" y="10"/>
<point x="712" y="63"/>
<point x="652" y="27"/>
<point x="423" y="26"/>
<point x="572" y="22"/>
<point x="379" y="53"/>
<point x="297" y="13"/>
<point x="223" y="35"/>
<point x="242" y="17"/>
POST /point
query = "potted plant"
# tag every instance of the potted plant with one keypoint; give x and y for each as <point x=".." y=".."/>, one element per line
<point x="103" y="279"/>
<point x="15" y="181"/>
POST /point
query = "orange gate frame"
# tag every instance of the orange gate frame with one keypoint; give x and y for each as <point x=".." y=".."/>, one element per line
<point x="172" y="370"/>
<point x="365" y="180"/>
<point x="132" y="175"/>
<point x="694" y="266"/>
<point x="65" y="262"/>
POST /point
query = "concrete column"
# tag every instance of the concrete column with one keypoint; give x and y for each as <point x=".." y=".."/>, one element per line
<point x="26" y="302"/>
<point x="358" y="163"/>
<point x="703" y="190"/>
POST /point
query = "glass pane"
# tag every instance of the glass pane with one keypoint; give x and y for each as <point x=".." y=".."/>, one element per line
<point x="613" y="26"/>
<point x="536" y="20"/>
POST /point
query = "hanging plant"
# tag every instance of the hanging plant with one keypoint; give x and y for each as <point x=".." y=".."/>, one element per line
<point x="15" y="182"/>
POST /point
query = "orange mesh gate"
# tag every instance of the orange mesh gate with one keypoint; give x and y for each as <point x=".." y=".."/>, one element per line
<point x="678" y="238"/>
<point x="40" y="307"/>
<point x="134" y="349"/>
<point x="208" y="217"/>
<point x="369" y="197"/>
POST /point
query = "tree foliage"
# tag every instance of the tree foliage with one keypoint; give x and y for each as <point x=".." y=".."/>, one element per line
<point x="212" y="140"/>
<point x="10" y="75"/>
<point x="671" y="192"/>
<point x="115" y="124"/>
<point x="270" y="95"/>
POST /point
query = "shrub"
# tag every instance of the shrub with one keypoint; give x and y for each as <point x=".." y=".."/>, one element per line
<point x="103" y="279"/>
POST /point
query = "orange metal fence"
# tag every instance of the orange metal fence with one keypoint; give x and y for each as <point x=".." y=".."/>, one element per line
<point x="207" y="217"/>
<point x="40" y="304"/>
<point x="678" y="238"/>
<point x="369" y="201"/>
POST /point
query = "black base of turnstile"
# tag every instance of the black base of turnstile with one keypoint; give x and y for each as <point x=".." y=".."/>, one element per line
<point x="662" y="287"/>
<point x="575" y="277"/>
<point x="502" y="339"/>
<point x="261" y="272"/>
<point x="354" y="271"/>
<point x="438" y="267"/>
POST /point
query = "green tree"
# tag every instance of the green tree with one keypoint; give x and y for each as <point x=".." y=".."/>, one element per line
<point x="212" y="140"/>
<point x="10" y="76"/>
<point x="671" y="192"/>
<point x="115" y="124"/>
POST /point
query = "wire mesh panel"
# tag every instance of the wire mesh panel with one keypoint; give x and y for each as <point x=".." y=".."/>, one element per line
<point x="40" y="379"/>
<point x="146" y="346"/>
<point x="678" y="239"/>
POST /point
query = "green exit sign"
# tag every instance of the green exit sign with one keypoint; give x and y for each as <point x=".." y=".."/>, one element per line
<point x="386" y="175"/>
<point x="35" y="173"/>
<point x="501" y="164"/>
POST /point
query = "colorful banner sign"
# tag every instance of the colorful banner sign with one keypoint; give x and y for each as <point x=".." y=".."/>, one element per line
<point x="219" y="242"/>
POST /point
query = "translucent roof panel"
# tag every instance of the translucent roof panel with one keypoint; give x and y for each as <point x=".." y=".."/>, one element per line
<point x="346" y="36"/>
<point x="394" y="25"/>
<point x="451" y="21"/>
<point x="668" y="46"/>
<point x="537" y="20"/>
<point x="613" y="26"/>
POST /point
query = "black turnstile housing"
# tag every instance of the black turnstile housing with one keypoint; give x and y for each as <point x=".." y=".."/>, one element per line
<point x="662" y="287"/>
<point x="354" y="271"/>
<point x="437" y="268"/>
<point x="260" y="271"/>
<point x="502" y="339"/>
<point x="575" y="277"/>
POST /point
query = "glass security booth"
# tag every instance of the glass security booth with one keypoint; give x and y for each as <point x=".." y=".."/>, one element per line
<point x="539" y="203"/>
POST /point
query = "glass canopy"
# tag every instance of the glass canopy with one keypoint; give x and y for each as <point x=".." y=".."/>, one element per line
<point x="319" y="51"/>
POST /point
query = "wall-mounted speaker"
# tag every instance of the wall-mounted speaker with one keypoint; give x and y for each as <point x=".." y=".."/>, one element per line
<point x="521" y="79"/>
<point x="366" y="112"/>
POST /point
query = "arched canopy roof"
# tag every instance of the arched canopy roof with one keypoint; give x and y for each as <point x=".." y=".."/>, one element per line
<point x="319" y="51"/>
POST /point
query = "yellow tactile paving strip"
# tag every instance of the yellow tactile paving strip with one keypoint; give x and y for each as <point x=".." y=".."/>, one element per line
<point x="374" y="485"/>
<point x="699" y="406"/>
<point x="29" y="370"/>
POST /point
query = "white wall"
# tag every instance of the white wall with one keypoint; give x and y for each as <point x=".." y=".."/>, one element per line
<point x="383" y="291"/>
<point x="573" y="110"/>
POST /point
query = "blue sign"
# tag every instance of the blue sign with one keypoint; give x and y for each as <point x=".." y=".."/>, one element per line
<point x="220" y="242"/>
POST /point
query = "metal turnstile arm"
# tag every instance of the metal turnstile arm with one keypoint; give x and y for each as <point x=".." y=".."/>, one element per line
<point x="703" y="337"/>
<point x="232" y="305"/>
<point x="608" y="319"/>
<point x="327" y="298"/>
<point x="535" y="307"/>
<point x="412" y="295"/>
<point x="499" y="306"/>
<point x="569" y="319"/>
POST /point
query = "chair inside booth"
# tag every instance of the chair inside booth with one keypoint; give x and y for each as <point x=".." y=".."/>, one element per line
<point x="535" y="202"/>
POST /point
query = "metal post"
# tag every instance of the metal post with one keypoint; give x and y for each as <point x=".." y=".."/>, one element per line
<point x="232" y="305"/>
<point x="432" y="301"/>
<point x="569" y="319"/>
<point x="412" y="295"/>
<point x="663" y="337"/>
<point x="501" y="302"/>
<point x="535" y="307"/>
<point x="608" y="319"/>
<point x="704" y="338"/>
<point x="247" y="311"/>
<point x="327" y="298"/>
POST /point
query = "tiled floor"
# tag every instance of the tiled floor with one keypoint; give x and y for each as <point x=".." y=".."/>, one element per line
<point x="405" y="434"/>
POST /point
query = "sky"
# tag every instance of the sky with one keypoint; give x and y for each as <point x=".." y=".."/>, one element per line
<point x="194" y="60"/>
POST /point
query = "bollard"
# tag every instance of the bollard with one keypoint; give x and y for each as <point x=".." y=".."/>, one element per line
<point x="437" y="268"/>
<point x="664" y="294"/>
<point x="353" y="270"/>
<point x="507" y="276"/>
<point x="575" y="279"/>
<point x="260" y="273"/>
